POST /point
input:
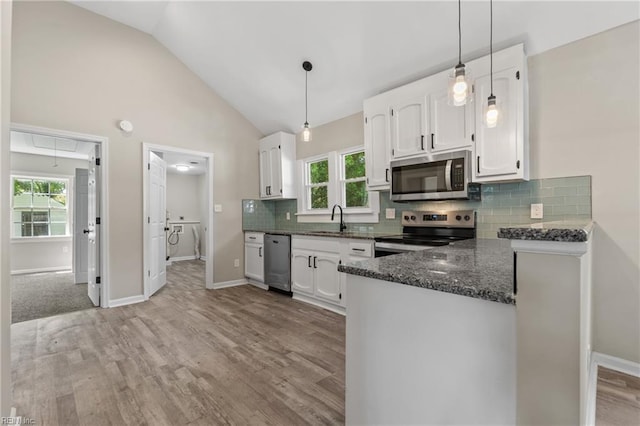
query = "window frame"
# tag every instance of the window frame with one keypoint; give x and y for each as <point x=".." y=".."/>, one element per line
<point x="68" y="181"/>
<point x="335" y="193"/>
<point x="342" y="182"/>
<point x="308" y="185"/>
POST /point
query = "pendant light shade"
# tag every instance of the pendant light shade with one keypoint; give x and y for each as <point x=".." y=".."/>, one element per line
<point x="460" y="80"/>
<point x="491" y="111"/>
<point x="306" y="131"/>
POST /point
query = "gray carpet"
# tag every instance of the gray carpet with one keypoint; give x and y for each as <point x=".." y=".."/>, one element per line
<point x="42" y="295"/>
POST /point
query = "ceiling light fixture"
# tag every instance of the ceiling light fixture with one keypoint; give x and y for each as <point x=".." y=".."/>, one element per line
<point x="459" y="81"/>
<point x="492" y="114"/>
<point x="182" y="167"/>
<point x="306" y="131"/>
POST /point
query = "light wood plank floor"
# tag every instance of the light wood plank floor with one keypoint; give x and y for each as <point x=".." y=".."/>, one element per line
<point x="188" y="356"/>
<point x="618" y="398"/>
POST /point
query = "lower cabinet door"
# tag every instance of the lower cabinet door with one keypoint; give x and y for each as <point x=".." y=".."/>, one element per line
<point x="328" y="284"/>
<point x="254" y="262"/>
<point x="302" y="271"/>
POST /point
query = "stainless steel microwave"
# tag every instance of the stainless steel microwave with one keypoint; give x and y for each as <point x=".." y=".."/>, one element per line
<point x="433" y="177"/>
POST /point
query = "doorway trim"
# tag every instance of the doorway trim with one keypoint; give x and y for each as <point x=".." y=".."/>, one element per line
<point x="105" y="291"/>
<point x="146" y="149"/>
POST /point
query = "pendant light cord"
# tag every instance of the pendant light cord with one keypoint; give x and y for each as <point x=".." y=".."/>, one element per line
<point x="459" y="35"/>
<point x="491" y="42"/>
<point x="306" y="108"/>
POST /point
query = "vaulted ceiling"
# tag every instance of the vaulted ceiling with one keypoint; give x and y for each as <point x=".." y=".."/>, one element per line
<point x="251" y="53"/>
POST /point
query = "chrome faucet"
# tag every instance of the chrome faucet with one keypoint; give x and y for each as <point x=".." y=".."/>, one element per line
<point x="333" y="212"/>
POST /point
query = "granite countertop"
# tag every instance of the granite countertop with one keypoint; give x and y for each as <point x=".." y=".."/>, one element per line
<point x="329" y="234"/>
<point x="565" y="231"/>
<point x="480" y="268"/>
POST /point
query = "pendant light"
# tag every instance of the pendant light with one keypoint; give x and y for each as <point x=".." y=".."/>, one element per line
<point x="492" y="114"/>
<point x="306" y="132"/>
<point x="459" y="81"/>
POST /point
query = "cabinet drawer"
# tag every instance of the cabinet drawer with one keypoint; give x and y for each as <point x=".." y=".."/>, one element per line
<point x="254" y="237"/>
<point x="360" y="249"/>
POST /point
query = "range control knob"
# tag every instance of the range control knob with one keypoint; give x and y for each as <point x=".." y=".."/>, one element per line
<point x="406" y="217"/>
<point x="458" y="217"/>
<point x="467" y="217"/>
<point x="413" y="218"/>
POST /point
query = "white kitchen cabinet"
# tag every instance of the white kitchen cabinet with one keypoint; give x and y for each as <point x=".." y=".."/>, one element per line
<point x="254" y="256"/>
<point x="501" y="153"/>
<point x="451" y="126"/>
<point x="314" y="268"/>
<point x="377" y="143"/>
<point x="277" y="166"/>
<point x="409" y="126"/>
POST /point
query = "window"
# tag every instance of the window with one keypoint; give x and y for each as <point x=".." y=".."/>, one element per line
<point x="336" y="178"/>
<point x="40" y="207"/>
<point x="317" y="180"/>
<point x="353" y="182"/>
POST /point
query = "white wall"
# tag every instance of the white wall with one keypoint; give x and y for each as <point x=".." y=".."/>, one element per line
<point x="78" y="71"/>
<point x="584" y="119"/>
<point x="44" y="254"/>
<point x="184" y="199"/>
<point x="5" y="284"/>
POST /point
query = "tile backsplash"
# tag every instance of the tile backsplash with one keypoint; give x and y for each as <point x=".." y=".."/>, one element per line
<point x="567" y="198"/>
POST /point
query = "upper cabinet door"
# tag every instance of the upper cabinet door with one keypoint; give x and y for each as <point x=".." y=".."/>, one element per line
<point x="377" y="147"/>
<point x="265" y="171"/>
<point x="408" y="127"/>
<point x="275" y="189"/>
<point x="497" y="148"/>
<point x="451" y="126"/>
<point x="277" y="166"/>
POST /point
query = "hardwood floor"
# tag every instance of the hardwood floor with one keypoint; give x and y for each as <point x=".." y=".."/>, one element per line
<point x="187" y="356"/>
<point x="618" y="398"/>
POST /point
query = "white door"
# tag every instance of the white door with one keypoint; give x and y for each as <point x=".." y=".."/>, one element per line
<point x="497" y="148"/>
<point x="451" y="126"/>
<point x="254" y="261"/>
<point x="377" y="147"/>
<point x="93" y="227"/>
<point x="408" y="127"/>
<point x="302" y="271"/>
<point x="156" y="221"/>
<point x="81" y="226"/>
<point x="327" y="276"/>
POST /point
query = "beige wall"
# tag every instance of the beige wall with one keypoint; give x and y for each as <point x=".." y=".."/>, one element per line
<point x="78" y="71"/>
<point x="5" y="286"/>
<point x="583" y="120"/>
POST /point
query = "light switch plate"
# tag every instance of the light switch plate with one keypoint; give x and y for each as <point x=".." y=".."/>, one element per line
<point x="390" y="213"/>
<point x="288" y="216"/>
<point x="537" y="211"/>
<point x="217" y="208"/>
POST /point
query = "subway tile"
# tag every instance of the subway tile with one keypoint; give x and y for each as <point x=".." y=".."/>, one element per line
<point x="584" y="190"/>
<point x="571" y="190"/>
<point x="553" y="201"/>
<point x="508" y="187"/>
<point x="565" y="210"/>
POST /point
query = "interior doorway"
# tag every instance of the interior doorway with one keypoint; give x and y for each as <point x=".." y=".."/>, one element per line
<point x="58" y="215"/>
<point x="178" y="213"/>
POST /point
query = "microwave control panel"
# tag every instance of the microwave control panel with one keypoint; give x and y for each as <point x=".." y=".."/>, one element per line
<point x="457" y="174"/>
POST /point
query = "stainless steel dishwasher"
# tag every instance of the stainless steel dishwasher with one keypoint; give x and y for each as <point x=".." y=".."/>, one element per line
<point x="277" y="261"/>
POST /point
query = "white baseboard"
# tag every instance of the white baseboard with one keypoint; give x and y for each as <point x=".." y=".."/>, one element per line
<point x="613" y="363"/>
<point x="38" y="270"/>
<point x="313" y="301"/>
<point x="225" y="284"/>
<point x="258" y="284"/>
<point x="181" y="258"/>
<point x="126" y="301"/>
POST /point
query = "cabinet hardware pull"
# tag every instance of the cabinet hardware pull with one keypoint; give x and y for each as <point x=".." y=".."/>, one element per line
<point x="252" y="238"/>
<point x="422" y="142"/>
<point x="309" y="261"/>
<point x="386" y="175"/>
<point x="478" y="165"/>
<point x="432" y="137"/>
<point x="515" y="274"/>
<point x="473" y="137"/>
<point x="259" y="251"/>
<point x="518" y="164"/>
<point x="340" y="296"/>
<point x="357" y="249"/>
<point x="314" y="262"/>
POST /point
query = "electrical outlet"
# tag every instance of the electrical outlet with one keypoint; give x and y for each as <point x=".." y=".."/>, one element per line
<point x="217" y="208"/>
<point x="288" y="216"/>
<point x="390" y="213"/>
<point x="537" y="211"/>
<point x="236" y="263"/>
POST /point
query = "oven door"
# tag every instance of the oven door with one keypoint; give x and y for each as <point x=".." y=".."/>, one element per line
<point x="438" y="177"/>
<point x="387" y="249"/>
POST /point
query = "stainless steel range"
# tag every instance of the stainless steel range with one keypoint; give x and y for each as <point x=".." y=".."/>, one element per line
<point x="422" y="230"/>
